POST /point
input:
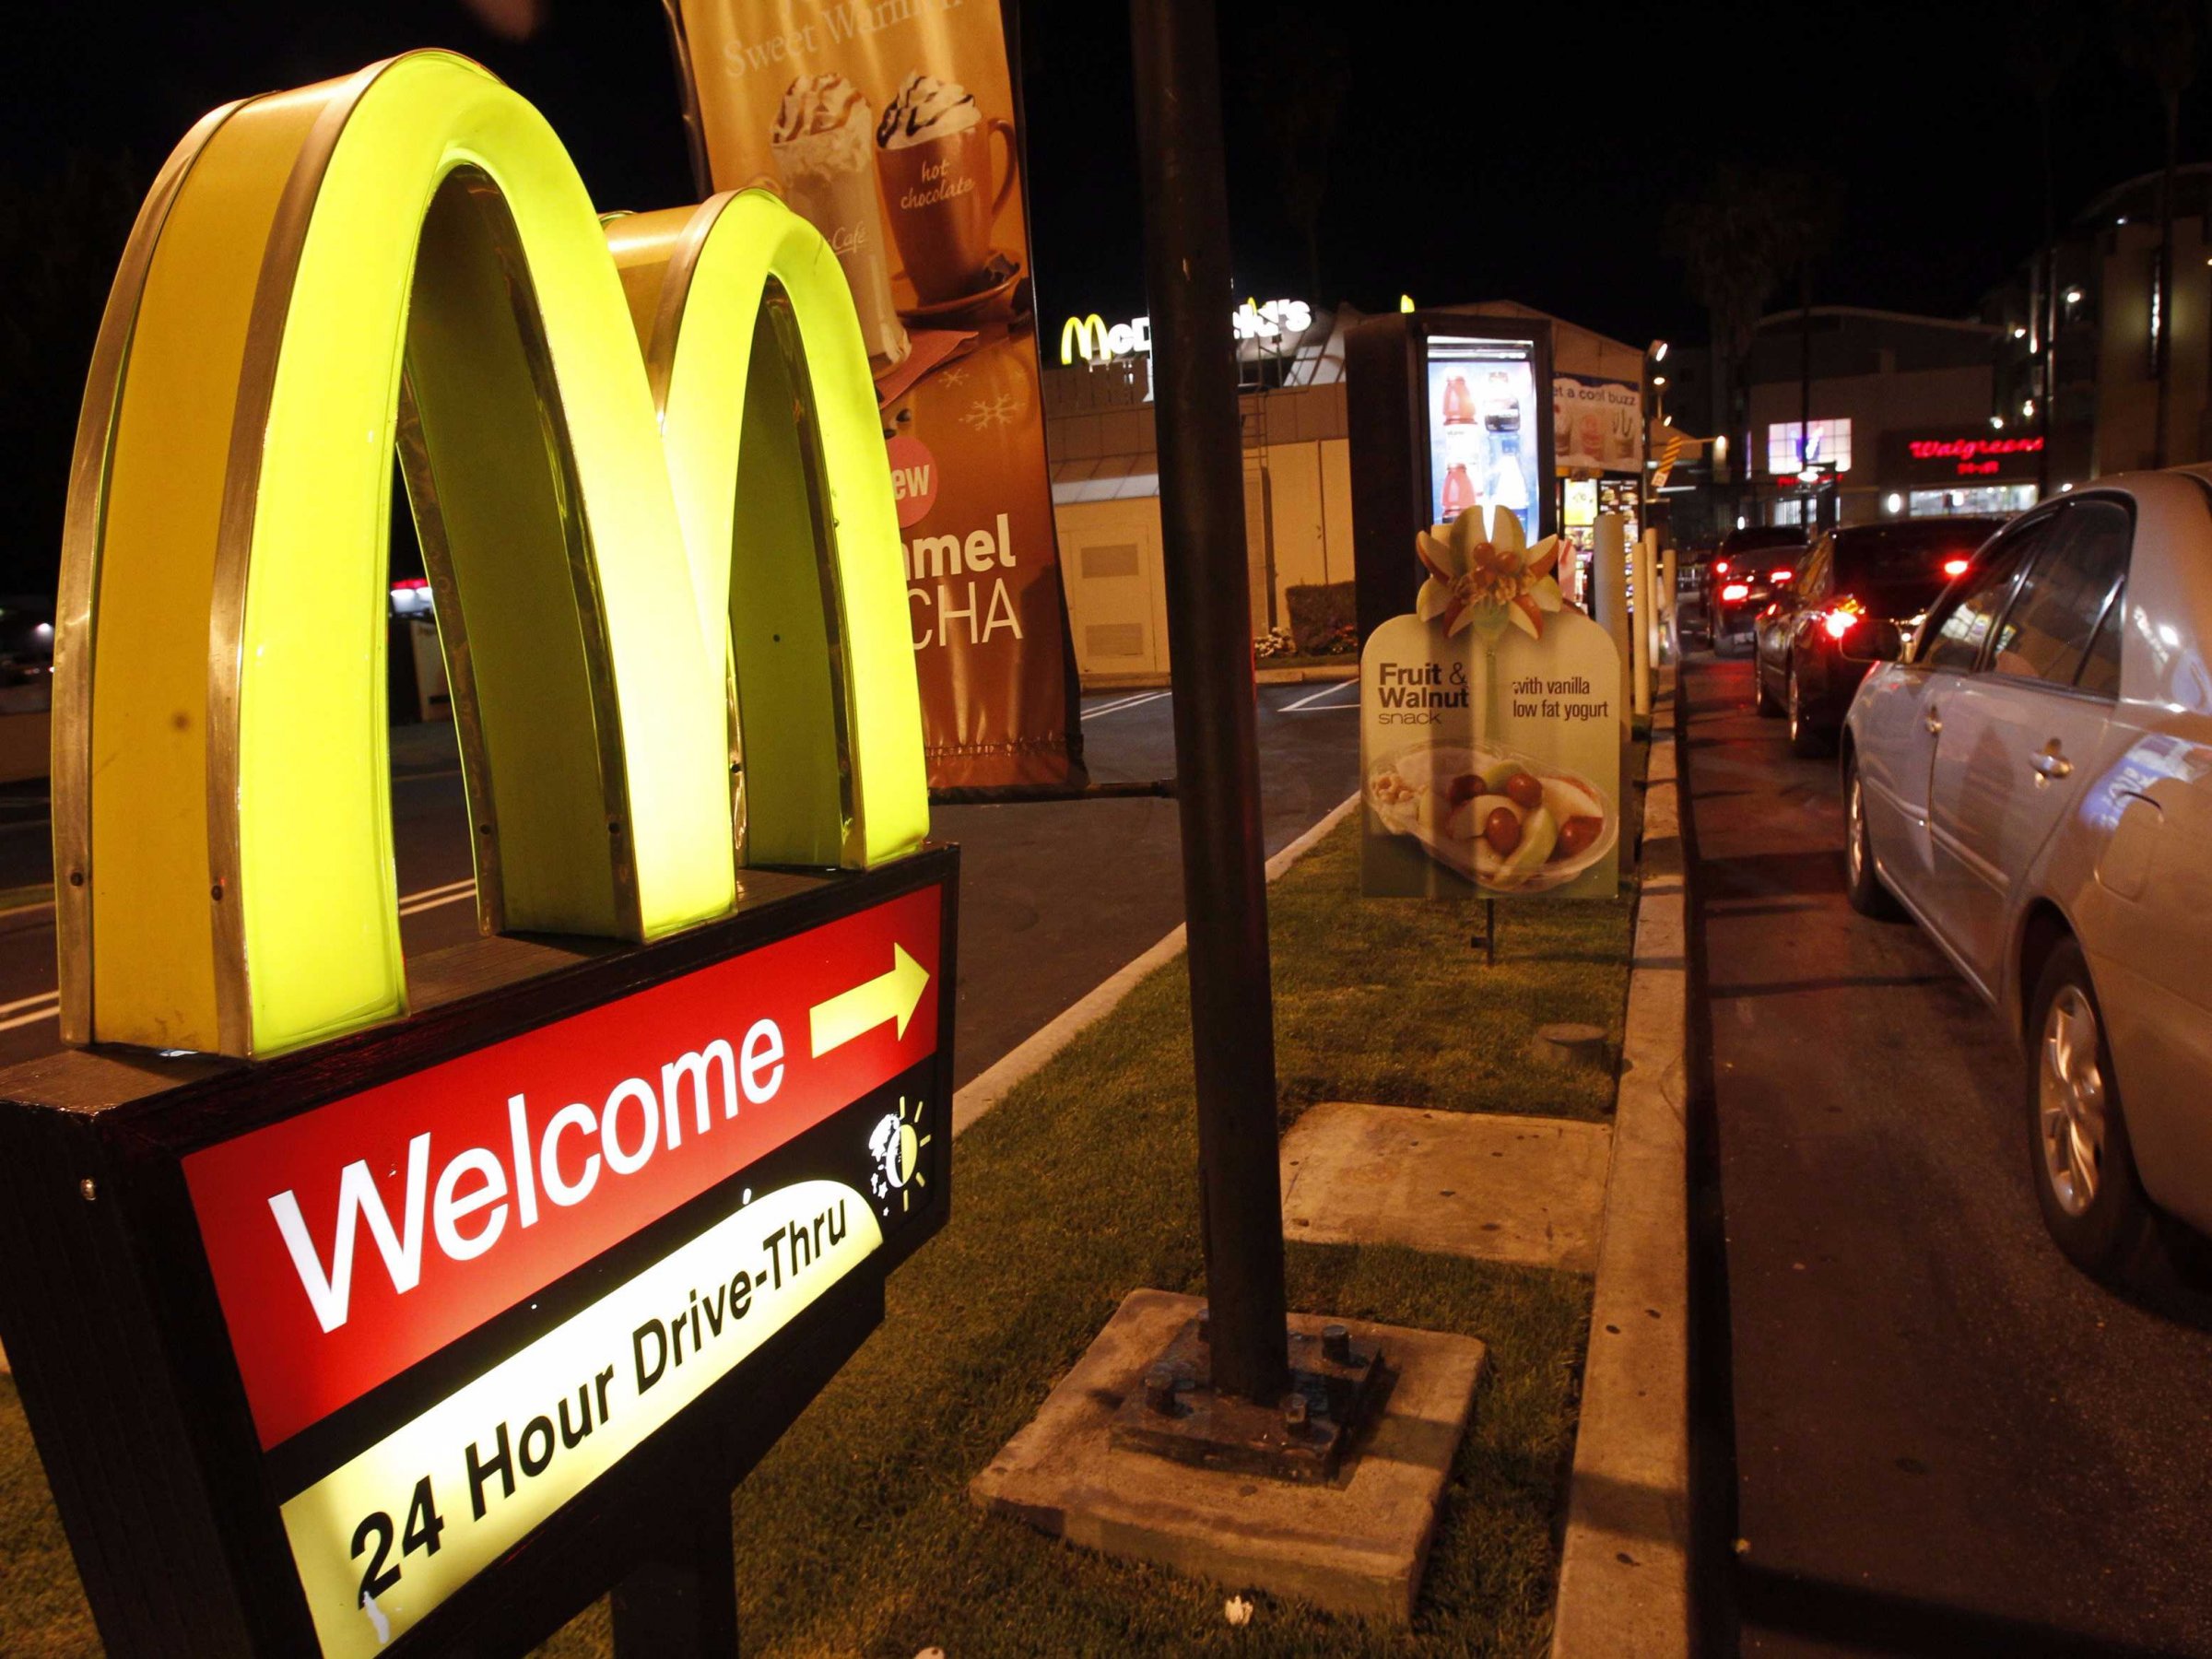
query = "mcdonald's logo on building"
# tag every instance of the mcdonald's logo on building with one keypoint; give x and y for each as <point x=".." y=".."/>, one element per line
<point x="1085" y="337"/>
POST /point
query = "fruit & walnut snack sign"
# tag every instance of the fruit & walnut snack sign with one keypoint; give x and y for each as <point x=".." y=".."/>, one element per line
<point x="1489" y="728"/>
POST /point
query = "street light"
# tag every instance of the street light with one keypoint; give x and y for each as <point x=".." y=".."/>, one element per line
<point x="1658" y="351"/>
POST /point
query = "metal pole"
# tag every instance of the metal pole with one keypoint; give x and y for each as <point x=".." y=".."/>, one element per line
<point x="1187" y="279"/>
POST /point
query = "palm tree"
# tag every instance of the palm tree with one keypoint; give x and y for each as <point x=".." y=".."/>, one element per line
<point x="2158" y="39"/>
<point x="1738" y="241"/>
<point x="1298" y="84"/>
<point x="2046" y="42"/>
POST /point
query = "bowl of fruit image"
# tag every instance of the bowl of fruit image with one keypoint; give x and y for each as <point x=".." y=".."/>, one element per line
<point x="1506" y="821"/>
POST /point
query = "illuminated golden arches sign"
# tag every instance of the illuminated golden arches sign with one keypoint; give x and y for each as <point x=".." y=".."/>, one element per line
<point x="407" y="256"/>
<point x="1085" y="337"/>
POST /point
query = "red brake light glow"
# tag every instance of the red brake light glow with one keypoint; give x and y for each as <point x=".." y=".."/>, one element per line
<point x="1720" y="567"/>
<point x="1734" y="591"/>
<point x="1784" y="575"/>
<point x="1955" y="567"/>
<point x="1839" y="622"/>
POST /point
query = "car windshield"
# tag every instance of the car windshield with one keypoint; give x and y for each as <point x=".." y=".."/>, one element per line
<point x="1752" y="546"/>
<point x="1898" y="569"/>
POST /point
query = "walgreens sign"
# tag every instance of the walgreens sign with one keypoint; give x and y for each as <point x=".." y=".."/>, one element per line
<point x="1970" y="456"/>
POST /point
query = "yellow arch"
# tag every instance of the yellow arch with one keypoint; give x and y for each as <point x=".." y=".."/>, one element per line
<point x="404" y="255"/>
<point x="743" y="313"/>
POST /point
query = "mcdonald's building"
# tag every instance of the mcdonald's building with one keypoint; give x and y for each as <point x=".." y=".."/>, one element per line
<point x="1298" y="517"/>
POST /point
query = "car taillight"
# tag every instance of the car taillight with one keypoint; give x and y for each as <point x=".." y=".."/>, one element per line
<point x="1779" y="577"/>
<point x="1956" y="568"/>
<point x="1734" y="591"/>
<point x="1839" y="622"/>
<point x="1720" y="567"/>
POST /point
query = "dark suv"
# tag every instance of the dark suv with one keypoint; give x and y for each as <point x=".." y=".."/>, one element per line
<point x="1815" y="642"/>
<point x="1748" y="568"/>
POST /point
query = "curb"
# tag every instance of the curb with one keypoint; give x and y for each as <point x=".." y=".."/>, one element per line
<point x="1624" y="1569"/>
<point x="1024" y="1061"/>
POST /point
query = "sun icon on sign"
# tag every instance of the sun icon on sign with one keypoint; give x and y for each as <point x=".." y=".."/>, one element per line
<point x="895" y="1147"/>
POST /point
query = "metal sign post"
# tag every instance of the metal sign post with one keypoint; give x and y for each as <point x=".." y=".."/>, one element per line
<point x="1209" y="629"/>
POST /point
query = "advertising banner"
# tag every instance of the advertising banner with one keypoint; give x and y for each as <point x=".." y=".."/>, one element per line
<point x="1597" y="425"/>
<point x="1489" y="729"/>
<point x="892" y="129"/>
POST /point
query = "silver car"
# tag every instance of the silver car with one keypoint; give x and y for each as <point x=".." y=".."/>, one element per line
<point x="2034" y="784"/>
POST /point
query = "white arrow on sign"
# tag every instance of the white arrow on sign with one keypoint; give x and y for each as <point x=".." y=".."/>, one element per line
<point x="893" y="995"/>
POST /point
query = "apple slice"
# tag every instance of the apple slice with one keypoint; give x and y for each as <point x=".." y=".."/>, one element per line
<point x="1539" y="833"/>
<point x="1565" y="799"/>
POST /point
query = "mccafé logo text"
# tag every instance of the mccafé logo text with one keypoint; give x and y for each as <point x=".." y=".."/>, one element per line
<point x="1092" y="340"/>
<point x="646" y="570"/>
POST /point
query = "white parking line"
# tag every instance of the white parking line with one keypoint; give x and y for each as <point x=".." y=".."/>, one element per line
<point x="1328" y="690"/>
<point x="452" y="892"/>
<point x="1127" y="703"/>
<point x="47" y="1004"/>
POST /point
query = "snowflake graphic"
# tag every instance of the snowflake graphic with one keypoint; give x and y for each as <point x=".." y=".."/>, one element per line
<point x="998" y="410"/>
<point x="952" y="377"/>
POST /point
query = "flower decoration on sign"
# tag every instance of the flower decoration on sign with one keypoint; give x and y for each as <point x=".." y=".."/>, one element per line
<point x="1484" y="578"/>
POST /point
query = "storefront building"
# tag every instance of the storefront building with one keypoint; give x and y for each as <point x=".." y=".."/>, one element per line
<point x="1948" y="472"/>
<point x="1298" y="519"/>
<point x="1879" y="384"/>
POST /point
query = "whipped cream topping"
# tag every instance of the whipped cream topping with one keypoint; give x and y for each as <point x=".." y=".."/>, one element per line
<point x="925" y="107"/>
<point x="815" y="104"/>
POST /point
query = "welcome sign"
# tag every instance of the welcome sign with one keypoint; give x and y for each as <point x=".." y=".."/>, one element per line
<point x="358" y="1303"/>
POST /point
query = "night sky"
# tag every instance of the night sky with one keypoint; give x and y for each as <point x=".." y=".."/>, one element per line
<point x="1525" y="152"/>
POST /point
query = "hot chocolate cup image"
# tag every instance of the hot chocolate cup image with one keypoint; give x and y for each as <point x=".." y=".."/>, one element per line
<point x="822" y="150"/>
<point x="933" y="148"/>
<point x="1562" y="429"/>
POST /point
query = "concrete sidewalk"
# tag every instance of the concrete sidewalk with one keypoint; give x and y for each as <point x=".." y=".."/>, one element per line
<point x="1624" y="1571"/>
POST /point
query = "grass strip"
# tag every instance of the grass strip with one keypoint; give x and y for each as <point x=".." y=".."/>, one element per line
<point x="856" y="1535"/>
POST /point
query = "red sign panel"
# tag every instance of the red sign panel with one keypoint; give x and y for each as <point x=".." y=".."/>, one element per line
<point x="357" y="1239"/>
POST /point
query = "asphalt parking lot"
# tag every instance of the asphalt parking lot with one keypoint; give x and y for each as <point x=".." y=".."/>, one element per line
<point x="1945" y="1439"/>
<point x="1054" y="897"/>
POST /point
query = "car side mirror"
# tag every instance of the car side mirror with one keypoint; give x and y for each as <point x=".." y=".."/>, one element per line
<point x="1885" y="643"/>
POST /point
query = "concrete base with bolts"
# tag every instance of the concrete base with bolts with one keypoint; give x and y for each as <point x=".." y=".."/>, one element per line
<point x="1355" y="1544"/>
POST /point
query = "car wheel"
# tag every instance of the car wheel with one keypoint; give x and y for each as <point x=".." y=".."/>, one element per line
<point x="1863" y="884"/>
<point x="1768" y="707"/>
<point x="2084" y="1166"/>
<point x="1807" y="740"/>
